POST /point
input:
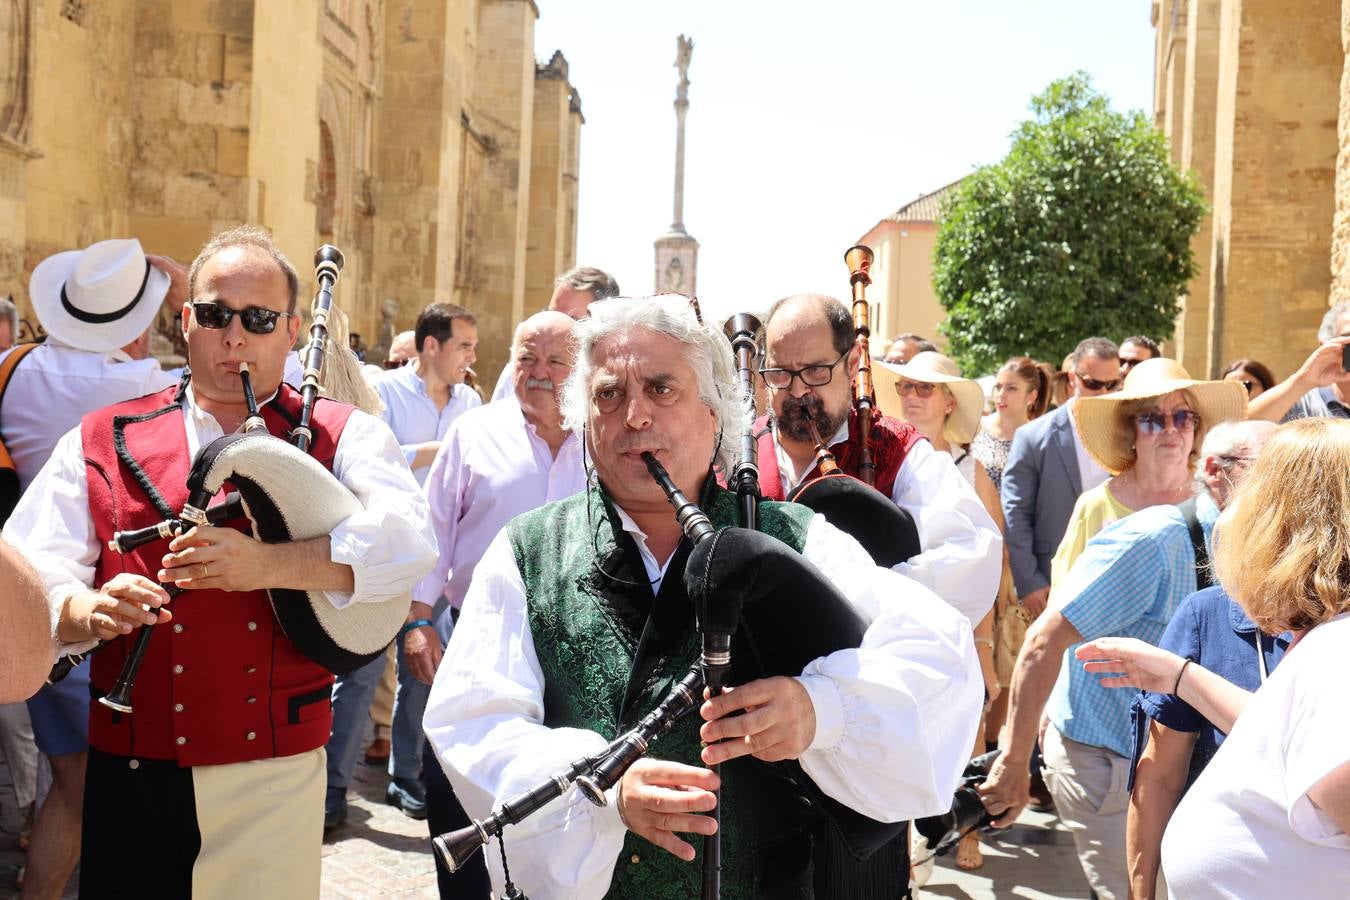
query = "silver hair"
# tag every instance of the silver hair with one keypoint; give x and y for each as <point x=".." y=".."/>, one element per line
<point x="588" y="278"/>
<point x="11" y="312"/>
<point x="1229" y="439"/>
<point x="1327" y="330"/>
<point x="709" y="355"/>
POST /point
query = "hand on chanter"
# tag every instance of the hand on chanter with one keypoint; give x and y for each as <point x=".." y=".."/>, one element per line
<point x="206" y="557"/>
<point x="778" y="721"/>
<point x="658" y="799"/>
<point x="1131" y="663"/>
<point x="117" y="608"/>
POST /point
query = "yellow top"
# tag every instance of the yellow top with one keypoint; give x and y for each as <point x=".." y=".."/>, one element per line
<point x="1094" y="510"/>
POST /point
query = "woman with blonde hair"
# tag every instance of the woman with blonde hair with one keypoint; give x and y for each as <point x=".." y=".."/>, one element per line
<point x="1271" y="813"/>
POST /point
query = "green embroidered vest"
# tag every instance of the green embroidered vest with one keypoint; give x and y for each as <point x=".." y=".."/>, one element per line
<point x="610" y="652"/>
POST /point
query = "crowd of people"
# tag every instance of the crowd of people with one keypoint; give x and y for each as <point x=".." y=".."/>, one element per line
<point x="1110" y="570"/>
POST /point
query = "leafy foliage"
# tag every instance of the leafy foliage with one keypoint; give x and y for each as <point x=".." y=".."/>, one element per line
<point x="1083" y="229"/>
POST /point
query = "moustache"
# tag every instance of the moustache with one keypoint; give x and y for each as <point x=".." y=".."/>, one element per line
<point x="635" y="442"/>
<point x="798" y="412"/>
<point x="542" y="384"/>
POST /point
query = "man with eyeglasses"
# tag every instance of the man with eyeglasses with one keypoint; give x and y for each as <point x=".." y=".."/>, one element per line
<point x="222" y="759"/>
<point x="1047" y="469"/>
<point x="1129" y="580"/>
<point x="810" y="359"/>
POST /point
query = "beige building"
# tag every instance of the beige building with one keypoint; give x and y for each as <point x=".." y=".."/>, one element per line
<point x="902" y="295"/>
<point x="420" y="136"/>
<point x="1254" y="96"/>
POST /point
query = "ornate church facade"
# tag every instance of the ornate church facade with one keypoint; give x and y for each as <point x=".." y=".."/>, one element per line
<point x="419" y="136"/>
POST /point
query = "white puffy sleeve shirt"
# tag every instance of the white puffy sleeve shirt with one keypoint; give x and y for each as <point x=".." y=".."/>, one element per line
<point x="895" y="718"/>
<point x="387" y="544"/>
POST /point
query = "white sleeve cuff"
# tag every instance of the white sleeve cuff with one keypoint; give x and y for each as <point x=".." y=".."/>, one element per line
<point x="824" y="696"/>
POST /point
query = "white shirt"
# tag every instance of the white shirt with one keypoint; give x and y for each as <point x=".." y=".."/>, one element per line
<point x="412" y="415"/>
<point x="506" y="382"/>
<point x="1247" y="828"/>
<point x="894" y="718"/>
<point x="492" y="466"/>
<point x="962" y="556"/>
<point x="1089" y="471"/>
<point x="54" y="386"/>
<point x="387" y="544"/>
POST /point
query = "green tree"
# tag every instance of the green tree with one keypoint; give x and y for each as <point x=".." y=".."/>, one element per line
<point x="1083" y="229"/>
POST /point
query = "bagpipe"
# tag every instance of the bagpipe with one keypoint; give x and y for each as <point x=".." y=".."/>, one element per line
<point x="286" y="495"/>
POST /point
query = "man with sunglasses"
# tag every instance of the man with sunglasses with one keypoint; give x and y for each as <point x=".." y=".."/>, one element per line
<point x="1134" y="350"/>
<point x="222" y="759"/>
<point x="810" y="359"/>
<point x="1047" y="469"/>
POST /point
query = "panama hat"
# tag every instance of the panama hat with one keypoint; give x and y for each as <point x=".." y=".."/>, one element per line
<point x="100" y="298"/>
<point x="932" y="367"/>
<point x="1213" y="401"/>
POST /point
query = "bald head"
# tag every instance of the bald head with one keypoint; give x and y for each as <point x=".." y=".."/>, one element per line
<point x="810" y="312"/>
<point x="542" y="353"/>
<point x="403" y="348"/>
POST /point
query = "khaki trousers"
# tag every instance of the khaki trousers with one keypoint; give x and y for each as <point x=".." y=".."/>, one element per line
<point x="1088" y="784"/>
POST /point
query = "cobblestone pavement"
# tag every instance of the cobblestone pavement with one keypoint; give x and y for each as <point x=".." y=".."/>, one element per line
<point x="380" y="852"/>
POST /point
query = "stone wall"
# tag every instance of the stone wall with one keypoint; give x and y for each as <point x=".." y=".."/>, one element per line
<point x="401" y="130"/>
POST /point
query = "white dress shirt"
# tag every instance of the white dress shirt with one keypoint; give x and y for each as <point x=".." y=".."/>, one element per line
<point x="55" y="385"/>
<point x="491" y="467"/>
<point x="894" y="718"/>
<point x="387" y="544"/>
<point x="412" y="415"/>
<point x="506" y="382"/>
<point x="1090" y="472"/>
<point x="962" y="556"/>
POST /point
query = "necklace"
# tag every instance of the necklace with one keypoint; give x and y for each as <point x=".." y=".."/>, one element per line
<point x="1127" y="484"/>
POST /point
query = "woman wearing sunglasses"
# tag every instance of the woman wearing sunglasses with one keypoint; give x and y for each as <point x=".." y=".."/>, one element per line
<point x="1252" y="375"/>
<point x="929" y="393"/>
<point x="1148" y="436"/>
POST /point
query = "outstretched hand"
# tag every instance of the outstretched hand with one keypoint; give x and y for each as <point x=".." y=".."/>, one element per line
<point x="1131" y="663"/>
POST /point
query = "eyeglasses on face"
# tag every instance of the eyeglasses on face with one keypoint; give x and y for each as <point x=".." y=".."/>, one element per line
<point x="1127" y="364"/>
<point x="1093" y="384"/>
<point x="922" y="388"/>
<point x="255" y="319"/>
<point x="1156" y="422"/>
<point x="818" y="375"/>
<point x="1232" y="460"/>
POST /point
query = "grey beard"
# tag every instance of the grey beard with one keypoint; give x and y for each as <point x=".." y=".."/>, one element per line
<point x="798" y="411"/>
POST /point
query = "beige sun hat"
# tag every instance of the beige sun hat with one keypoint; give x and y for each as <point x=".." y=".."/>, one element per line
<point x="932" y="367"/>
<point x="1214" y="401"/>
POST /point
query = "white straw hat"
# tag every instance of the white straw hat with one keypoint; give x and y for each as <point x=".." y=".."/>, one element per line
<point x="932" y="367"/>
<point x="1214" y="402"/>
<point x="100" y="298"/>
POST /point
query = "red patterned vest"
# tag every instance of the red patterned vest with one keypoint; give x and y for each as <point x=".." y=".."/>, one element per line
<point x="891" y="442"/>
<point x="221" y="683"/>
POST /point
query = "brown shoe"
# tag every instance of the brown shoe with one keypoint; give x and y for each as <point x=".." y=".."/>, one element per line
<point x="377" y="754"/>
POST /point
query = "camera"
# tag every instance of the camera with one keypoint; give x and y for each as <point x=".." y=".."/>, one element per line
<point x="967" y="812"/>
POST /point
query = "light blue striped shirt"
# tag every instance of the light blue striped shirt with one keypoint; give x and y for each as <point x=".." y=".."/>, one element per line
<point x="1128" y="581"/>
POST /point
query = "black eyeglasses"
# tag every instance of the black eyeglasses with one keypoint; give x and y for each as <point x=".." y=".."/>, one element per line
<point x="1093" y="384"/>
<point x="255" y="319"/>
<point x="1156" y="422"/>
<point x="922" y="388"/>
<point x="818" y="375"/>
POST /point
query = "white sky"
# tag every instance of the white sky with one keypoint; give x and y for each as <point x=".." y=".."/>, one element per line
<point x="808" y="121"/>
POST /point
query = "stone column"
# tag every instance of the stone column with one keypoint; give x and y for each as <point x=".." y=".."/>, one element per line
<point x="548" y="155"/>
<point x="677" y="251"/>
<point x="1340" y="244"/>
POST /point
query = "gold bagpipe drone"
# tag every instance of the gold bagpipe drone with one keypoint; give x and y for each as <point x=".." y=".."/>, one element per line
<point x="762" y="610"/>
<point x="286" y="495"/>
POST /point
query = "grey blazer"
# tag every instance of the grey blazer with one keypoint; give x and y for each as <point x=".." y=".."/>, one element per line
<point x="1041" y="483"/>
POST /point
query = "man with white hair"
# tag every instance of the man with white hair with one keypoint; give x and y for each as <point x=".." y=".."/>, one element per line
<point x="571" y="630"/>
<point x="496" y="462"/>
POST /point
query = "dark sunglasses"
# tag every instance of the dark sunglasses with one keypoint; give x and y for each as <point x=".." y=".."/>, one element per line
<point x="255" y="319"/>
<point x="1156" y="422"/>
<point x="922" y="388"/>
<point x="1093" y="384"/>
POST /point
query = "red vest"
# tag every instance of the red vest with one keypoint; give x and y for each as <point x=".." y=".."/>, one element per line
<point x="891" y="441"/>
<point x="221" y="683"/>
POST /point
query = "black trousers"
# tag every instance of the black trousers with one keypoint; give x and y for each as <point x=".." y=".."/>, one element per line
<point x="445" y="814"/>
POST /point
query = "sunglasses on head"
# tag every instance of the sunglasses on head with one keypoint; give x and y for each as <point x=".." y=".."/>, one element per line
<point x="1156" y="422"/>
<point x="255" y="319"/>
<point x="1093" y="384"/>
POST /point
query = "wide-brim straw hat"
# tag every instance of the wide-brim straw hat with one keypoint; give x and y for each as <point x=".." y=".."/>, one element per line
<point x="932" y="367"/>
<point x="100" y="298"/>
<point x="1213" y="401"/>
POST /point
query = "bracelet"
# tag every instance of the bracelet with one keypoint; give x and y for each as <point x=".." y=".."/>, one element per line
<point x="988" y="642"/>
<point x="1176" y="687"/>
<point x="415" y="623"/>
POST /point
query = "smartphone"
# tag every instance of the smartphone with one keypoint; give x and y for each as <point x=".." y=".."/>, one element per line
<point x="1345" y="358"/>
